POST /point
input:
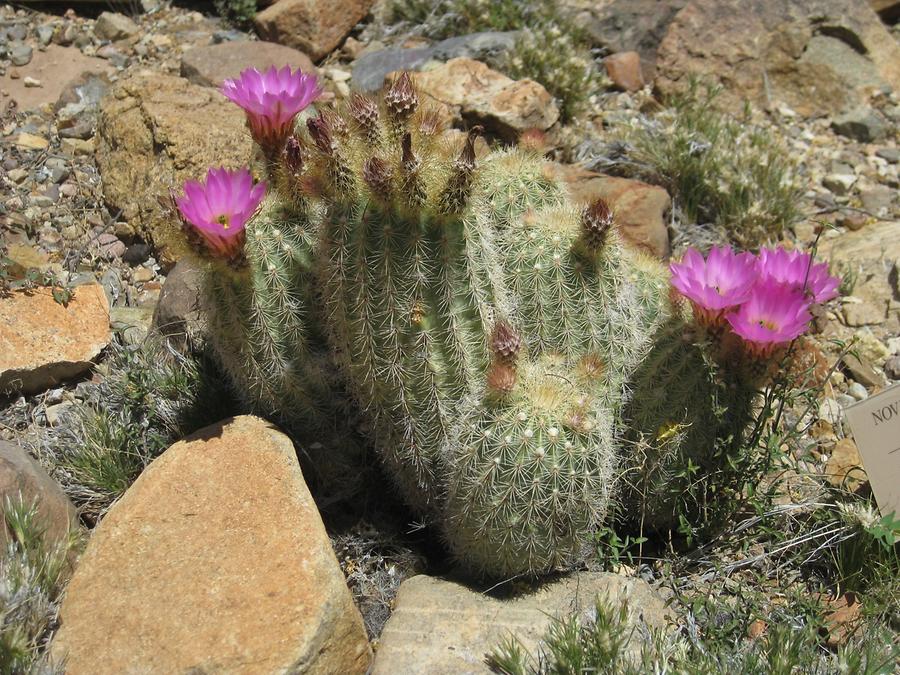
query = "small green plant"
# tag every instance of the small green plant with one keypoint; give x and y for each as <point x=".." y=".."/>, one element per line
<point x="446" y="18"/>
<point x="608" y="644"/>
<point x="720" y="169"/>
<point x="238" y="13"/>
<point x="32" y="573"/>
<point x="552" y="55"/>
<point x="151" y="396"/>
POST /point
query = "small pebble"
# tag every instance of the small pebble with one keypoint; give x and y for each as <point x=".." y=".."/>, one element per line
<point x="857" y="391"/>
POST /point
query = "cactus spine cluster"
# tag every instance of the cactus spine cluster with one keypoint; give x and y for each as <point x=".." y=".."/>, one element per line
<point x="487" y="329"/>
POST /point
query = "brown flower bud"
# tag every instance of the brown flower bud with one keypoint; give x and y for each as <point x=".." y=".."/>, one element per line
<point x="364" y="112"/>
<point x="401" y="98"/>
<point x="377" y="175"/>
<point x="596" y="221"/>
<point x="320" y="131"/>
<point x="501" y="378"/>
<point x="293" y="155"/>
<point x="505" y="341"/>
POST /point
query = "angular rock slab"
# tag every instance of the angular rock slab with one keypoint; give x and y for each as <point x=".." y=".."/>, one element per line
<point x="210" y="65"/>
<point x="214" y="561"/>
<point x="312" y="26"/>
<point x="818" y="56"/>
<point x="470" y="89"/>
<point x="21" y="476"/>
<point x="444" y="628"/>
<point x="43" y="343"/>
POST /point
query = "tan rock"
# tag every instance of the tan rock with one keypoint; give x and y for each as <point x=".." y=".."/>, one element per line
<point x="21" y="476"/>
<point x="845" y="468"/>
<point x="316" y="27"/>
<point x="55" y="67"/>
<point x="444" y="628"/>
<point x="210" y="65"/>
<point x="624" y="69"/>
<point x="179" y="315"/>
<point x="214" y="561"/>
<point x="872" y="254"/>
<point x="30" y="141"/>
<point x="155" y="132"/>
<point x="471" y="90"/>
<point x="817" y="56"/>
<point x="639" y="208"/>
<point x="43" y="343"/>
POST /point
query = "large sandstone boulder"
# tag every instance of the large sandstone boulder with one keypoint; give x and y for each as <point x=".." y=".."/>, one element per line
<point x="155" y="132"/>
<point x="43" y="342"/>
<point x="22" y="477"/>
<point x="444" y="628"/>
<point x="313" y="26"/>
<point x="817" y="56"/>
<point x="470" y="90"/>
<point x="214" y="561"/>
<point x="210" y="65"/>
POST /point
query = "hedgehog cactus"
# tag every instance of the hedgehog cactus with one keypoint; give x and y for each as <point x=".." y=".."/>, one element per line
<point x="489" y="331"/>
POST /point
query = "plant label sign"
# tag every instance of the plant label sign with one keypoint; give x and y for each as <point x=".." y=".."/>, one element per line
<point x="876" y="428"/>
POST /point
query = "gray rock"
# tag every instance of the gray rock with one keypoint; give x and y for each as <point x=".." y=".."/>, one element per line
<point x="179" y="314"/>
<point x="44" y="34"/>
<point x="839" y="183"/>
<point x="18" y="31"/>
<point x="370" y="69"/>
<point x="892" y="367"/>
<point x="20" y="54"/>
<point x="442" y="627"/>
<point x="133" y="323"/>
<point x="857" y="391"/>
<point x="21" y="475"/>
<point x="892" y="155"/>
<point x="877" y="199"/>
<point x="114" y="26"/>
<point x="862" y="124"/>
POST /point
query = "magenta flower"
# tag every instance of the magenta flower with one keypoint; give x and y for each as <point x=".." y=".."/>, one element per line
<point x="272" y="100"/>
<point x="773" y="315"/>
<point x="219" y="209"/>
<point x="715" y="285"/>
<point x="796" y="270"/>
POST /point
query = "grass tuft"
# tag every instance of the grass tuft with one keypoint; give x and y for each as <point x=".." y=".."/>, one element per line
<point x="718" y="168"/>
<point x="151" y="396"/>
<point x="32" y="575"/>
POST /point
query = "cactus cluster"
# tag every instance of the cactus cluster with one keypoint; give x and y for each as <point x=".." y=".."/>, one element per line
<point x="502" y="349"/>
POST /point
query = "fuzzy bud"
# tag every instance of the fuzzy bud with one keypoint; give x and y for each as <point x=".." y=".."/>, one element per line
<point x="533" y="140"/>
<point x="401" y="98"/>
<point x="501" y="378"/>
<point x="456" y="194"/>
<point x="596" y="222"/>
<point x="377" y="175"/>
<point x="505" y="342"/>
<point x="364" y="112"/>
<point x="430" y="124"/>
<point x="293" y="155"/>
<point x="320" y="131"/>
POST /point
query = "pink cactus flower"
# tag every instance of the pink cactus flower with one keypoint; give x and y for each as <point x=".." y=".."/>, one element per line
<point x="796" y="270"/>
<point x="272" y="100"/>
<point x="772" y="316"/>
<point x="220" y="208"/>
<point x="715" y="285"/>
